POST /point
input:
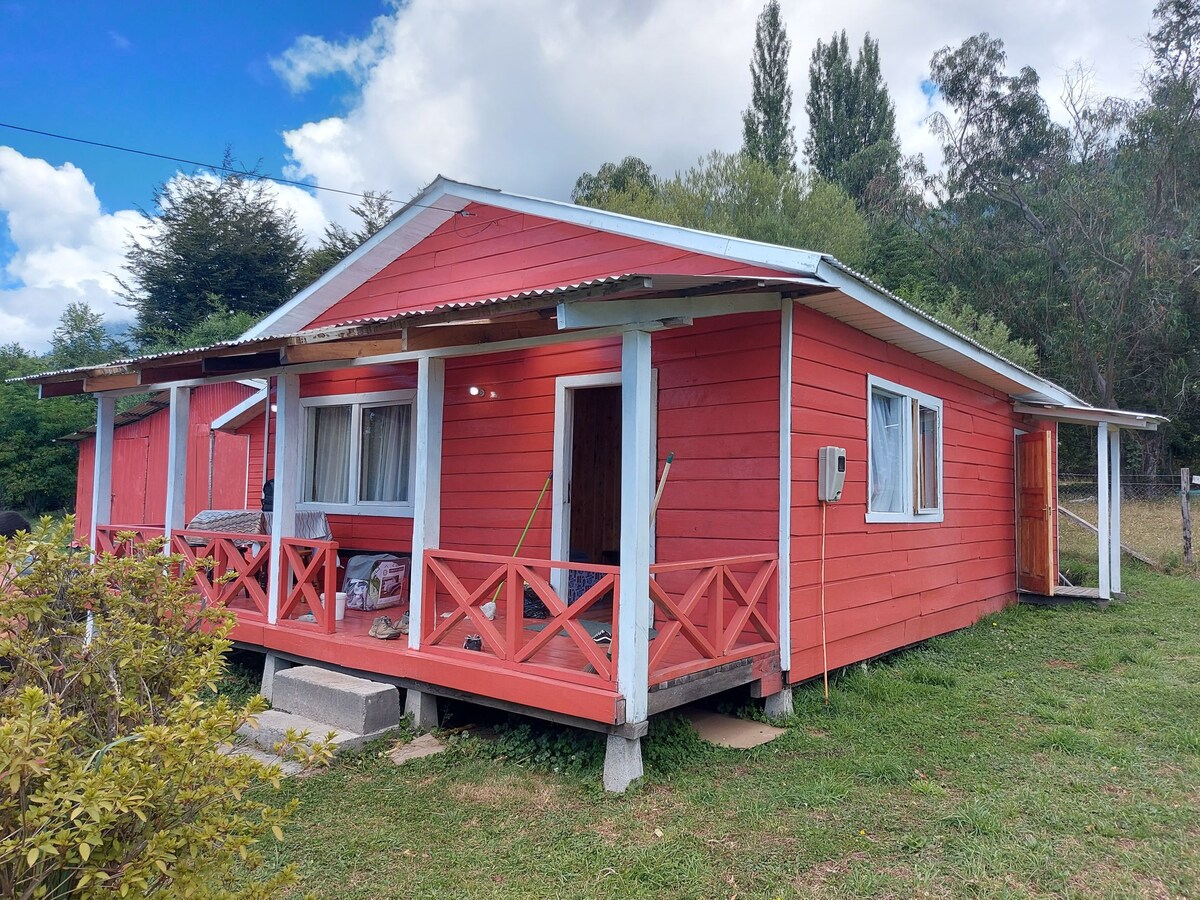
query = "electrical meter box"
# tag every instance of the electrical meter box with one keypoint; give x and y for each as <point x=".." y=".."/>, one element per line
<point x="831" y="473"/>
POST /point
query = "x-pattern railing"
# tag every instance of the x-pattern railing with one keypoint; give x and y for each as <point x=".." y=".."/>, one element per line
<point x="310" y="580"/>
<point x="226" y="566"/>
<point x="125" y="540"/>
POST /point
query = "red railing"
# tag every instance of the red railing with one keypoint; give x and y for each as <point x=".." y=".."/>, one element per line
<point x="135" y="538"/>
<point x="561" y="646"/>
<point x="229" y="569"/>
<point x="309" y="583"/>
<point x="713" y="611"/>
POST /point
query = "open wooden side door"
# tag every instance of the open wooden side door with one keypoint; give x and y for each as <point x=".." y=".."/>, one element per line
<point x="1037" y="567"/>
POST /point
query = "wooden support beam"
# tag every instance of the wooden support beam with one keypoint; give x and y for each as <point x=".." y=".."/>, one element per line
<point x="1103" y="523"/>
<point x="175" y="516"/>
<point x="168" y="373"/>
<point x="637" y="488"/>
<point x="1114" y="509"/>
<point x="427" y="337"/>
<point x="785" y="485"/>
<point x="427" y="490"/>
<point x="60" y="389"/>
<point x="110" y="382"/>
<point x="102" y="464"/>
<point x="288" y="457"/>
<point x="247" y="362"/>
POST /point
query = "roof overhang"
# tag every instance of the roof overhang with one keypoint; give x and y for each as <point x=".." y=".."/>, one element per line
<point x="237" y="416"/>
<point x="1091" y="415"/>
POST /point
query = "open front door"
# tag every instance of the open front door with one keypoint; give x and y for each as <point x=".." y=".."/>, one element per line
<point x="1036" y="565"/>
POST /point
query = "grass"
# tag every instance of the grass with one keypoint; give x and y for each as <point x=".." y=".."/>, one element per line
<point x="1043" y="752"/>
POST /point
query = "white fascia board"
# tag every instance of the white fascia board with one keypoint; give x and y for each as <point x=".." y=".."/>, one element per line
<point x="926" y="327"/>
<point x="239" y="415"/>
<point x="603" y="313"/>
<point x="1089" y="415"/>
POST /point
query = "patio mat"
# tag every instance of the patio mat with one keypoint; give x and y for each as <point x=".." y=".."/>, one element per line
<point x="591" y="626"/>
<point x="726" y="731"/>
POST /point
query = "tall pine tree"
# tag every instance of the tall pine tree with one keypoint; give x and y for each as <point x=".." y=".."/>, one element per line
<point x="851" y="119"/>
<point x="767" y="132"/>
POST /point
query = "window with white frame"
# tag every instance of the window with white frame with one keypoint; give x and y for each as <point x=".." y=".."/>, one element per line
<point x="359" y="453"/>
<point x="904" y="468"/>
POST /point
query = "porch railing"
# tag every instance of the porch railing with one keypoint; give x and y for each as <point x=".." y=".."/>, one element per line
<point x="713" y="611"/>
<point x="561" y="645"/>
<point x="135" y="537"/>
<point x="229" y="569"/>
<point x="706" y="613"/>
<point x="309" y="583"/>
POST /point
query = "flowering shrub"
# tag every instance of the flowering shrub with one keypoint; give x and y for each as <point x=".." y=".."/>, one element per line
<point x="115" y="777"/>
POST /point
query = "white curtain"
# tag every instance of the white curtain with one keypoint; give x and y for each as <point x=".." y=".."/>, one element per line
<point x="383" y="454"/>
<point x="328" y="473"/>
<point x="887" y="460"/>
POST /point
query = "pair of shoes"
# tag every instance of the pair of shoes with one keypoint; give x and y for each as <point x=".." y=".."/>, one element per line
<point x="385" y="629"/>
<point x="602" y="636"/>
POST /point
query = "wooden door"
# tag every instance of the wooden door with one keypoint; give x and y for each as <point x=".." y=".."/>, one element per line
<point x="1037" y="568"/>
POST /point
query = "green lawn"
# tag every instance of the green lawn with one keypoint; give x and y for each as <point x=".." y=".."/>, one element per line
<point x="1041" y="753"/>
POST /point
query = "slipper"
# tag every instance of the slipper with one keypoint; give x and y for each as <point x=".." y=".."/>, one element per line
<point x="377" y="627"/>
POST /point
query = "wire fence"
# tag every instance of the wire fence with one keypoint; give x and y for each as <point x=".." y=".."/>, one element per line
<point x="1152" y="517"/>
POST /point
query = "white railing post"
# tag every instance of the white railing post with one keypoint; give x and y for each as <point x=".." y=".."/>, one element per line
<point x="1114" y="511"/>
<point x="637" y="485"/>
<point x="102" y="463"/>
<point x="175" y="516"/>
<point x="1103" y="525"/>
<point x="288" y="455"/>
<point x="427" y="491"/>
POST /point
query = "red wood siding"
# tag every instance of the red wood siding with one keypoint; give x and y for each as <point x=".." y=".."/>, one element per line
<point x="139" y="482"/>
<point x="494" y="252"/>
<point x="889" y="585"/>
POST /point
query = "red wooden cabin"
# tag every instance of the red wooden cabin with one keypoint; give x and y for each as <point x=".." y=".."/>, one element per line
<point x="423" y="390"/>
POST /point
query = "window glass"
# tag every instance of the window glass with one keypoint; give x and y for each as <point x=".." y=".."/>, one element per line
<point x="327" y="473"/>
<point x="927" y="458"/>
<point x="383" y="453"/>
<point x="887" y="453"/>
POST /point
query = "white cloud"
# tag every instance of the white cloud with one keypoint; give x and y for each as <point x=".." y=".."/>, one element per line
<point x="528" y="94"/>
<point x="67" y="248"/>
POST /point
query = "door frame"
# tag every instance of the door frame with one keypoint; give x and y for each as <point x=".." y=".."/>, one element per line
<point x="564" y="445"/>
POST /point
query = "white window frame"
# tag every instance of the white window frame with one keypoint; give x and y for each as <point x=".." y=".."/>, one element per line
<point x="915" y="400"/>
<point x="357" y="403"/>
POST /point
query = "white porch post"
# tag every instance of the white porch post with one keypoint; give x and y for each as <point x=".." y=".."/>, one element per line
<point x="287" y="484"/>
<point x="175" y="515"/>
<point x="1103" y="526"/>
<point x="427" y="491"/>
<point x="633" y="620"/>
<point x="102" y="463"/>
<point x="785" y="487"/>
<point x="1114" y="510"/>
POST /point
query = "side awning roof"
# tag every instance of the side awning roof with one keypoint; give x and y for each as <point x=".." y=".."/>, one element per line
<point x="1092" y="415"/>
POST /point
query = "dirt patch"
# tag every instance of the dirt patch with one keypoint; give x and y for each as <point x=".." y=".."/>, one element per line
<point x="506" y="792"/>
<point x="1107" y="879"/>
<point x="1061" y="664"/>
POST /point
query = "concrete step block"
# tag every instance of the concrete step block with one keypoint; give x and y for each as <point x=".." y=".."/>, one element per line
<point x="343" y="702"/>
<point x="273" y="726"/>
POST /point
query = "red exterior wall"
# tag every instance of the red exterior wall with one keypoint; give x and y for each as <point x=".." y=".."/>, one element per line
<point x="139" y="482"/>
<point x="889" y="585"/>
<point x="495" y="252"/>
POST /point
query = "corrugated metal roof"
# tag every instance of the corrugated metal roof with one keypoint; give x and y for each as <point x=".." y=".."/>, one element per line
<point x="148" y="407"/>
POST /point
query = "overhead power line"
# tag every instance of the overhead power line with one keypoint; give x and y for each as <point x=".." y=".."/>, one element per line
<point x="191" y="162"/>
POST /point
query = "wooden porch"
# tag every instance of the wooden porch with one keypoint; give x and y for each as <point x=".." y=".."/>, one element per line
<point x="712" y="623"/>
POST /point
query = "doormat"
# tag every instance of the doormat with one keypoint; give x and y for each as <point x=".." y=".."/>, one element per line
<point x="727" y="731"/>
<point x="591" y="626"/>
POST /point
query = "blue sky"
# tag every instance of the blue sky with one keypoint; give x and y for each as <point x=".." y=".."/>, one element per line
<point x="522" y="95"/>
<point x="183" y="79"/>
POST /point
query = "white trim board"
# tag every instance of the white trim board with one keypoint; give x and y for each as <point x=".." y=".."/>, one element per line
<point x="237" y="416"/>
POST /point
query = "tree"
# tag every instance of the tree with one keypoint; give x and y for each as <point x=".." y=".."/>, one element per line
<point x="767" y="132"/>
<point x="851" y="137"/>
<point x="374" y="211"/>
<point x="81" y="339"/>
<point x="735" y="194"/>
<point x="117" y="776"/>
<point x="628" y="176"/>
<point x="213" y="244"/>
<point x="1082" y="238"/>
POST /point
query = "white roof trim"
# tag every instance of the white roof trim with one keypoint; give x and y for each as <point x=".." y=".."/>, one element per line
<point x="1091" y="415"/>
<point x="239" y="415"/>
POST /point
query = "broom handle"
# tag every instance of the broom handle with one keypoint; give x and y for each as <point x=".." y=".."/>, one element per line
<point x="662" y="483"/>
<point x="521" y="541"/>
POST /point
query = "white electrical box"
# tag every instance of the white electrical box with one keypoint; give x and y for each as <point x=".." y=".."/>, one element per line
<point x="831" y="473"/>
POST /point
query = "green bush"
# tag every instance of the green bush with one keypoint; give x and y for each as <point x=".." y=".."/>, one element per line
<point x="115" y="776"/>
